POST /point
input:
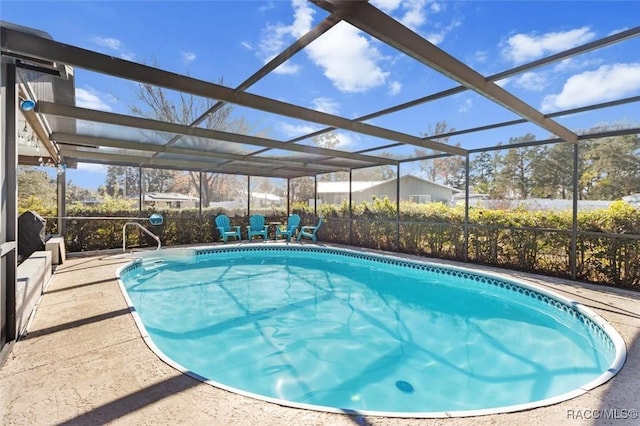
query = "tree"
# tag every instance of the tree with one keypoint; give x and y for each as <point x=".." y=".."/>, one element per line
<point x="449" y="169"/>
<point x="452" y="170"/>
<point x="157" y="180"/>
<point x="120" y="181"/>
<point x="76" y="194"/>
<point x="181" y="184"/>
<point x="612" y="168"/>
<point x="376" y="173"/>
<point x="515" y="177"/>
<point x="482" y="172"/>
<point x="327" y="140"/>
<point x="552" y="174"/>
<point x="35" y="187"/>
<point x="159" y="104"/>
<point x="301" y="189"/>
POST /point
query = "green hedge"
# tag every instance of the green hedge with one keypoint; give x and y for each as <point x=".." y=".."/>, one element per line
<point x="538" y="241"/>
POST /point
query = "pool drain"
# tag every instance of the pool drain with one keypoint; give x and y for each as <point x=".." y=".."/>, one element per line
<point x="405" y="387"/>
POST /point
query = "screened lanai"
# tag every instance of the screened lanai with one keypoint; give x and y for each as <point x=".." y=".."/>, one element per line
<point x="39" y="94"/>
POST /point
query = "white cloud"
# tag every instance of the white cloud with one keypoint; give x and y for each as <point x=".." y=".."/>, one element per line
<point x="618" y="30"/>
<point x="295" y="130"/>
<point x="92" y="168"/>
<point x="345" y="140"/>
<point x="111" y="43"/>
<point x="276" y="36"/>
<point x="287" y="68"/>
<point x="89" y="98"/>
<point x="188" y="57"/>
<point x="267" y="6"/>
<point x="415" y="14"/>
<point x="386" y="5"/>
<point x="565" y="64"/>
<point x="411" y="13"/>
<point x="531" y="81"/>
<point x="272" y="42"/>
<point x="481" y="56"/>
<point x="349" y="60"/>
<point x="504" y="82"/>
<point x="606" y="83"/>
<point x="465" y="105"/>
<point x="437" y="37"/>
<point x="303" y="17"/>
<point x="247" y="45"/>
<point x="573" y="64"/>
<point x="522" y="47"/>
<point x="324" y="104"/>
<point x="394" y="88"/>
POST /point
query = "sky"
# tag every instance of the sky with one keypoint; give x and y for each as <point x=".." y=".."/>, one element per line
<point x="348" y="73"/>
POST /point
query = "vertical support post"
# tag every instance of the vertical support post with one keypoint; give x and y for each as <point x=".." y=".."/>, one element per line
<point x="62" y="200"/>
<point x="315" y="196"/>
<point x="573" y="252"/>
<point x="288" y="198"/>
<point x="200" y="194"/>
<point x="466" y="208"/>
<point x="140" y="188"/>
<point x="350" y="208"/>
<point x="398" y="207"/>
<point x="9" y="205"/>
<point x="140" y="193"/>
<point x="248" y="196"/>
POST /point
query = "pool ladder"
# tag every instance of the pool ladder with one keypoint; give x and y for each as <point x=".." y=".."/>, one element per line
<point x="124" y="235"/>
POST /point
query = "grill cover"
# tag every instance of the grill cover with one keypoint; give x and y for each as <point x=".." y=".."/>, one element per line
<point x="31" y="233"/>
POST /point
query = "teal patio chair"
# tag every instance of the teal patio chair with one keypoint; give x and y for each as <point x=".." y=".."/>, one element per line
<point x="310" y="231"/>
<point x="292" y="226"/>
<point x="257" y="227"/>
<point x="225" y="229"/>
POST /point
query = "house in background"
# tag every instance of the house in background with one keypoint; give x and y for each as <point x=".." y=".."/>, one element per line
<point x="633" y="199"/>
<point x="412" y="188"/>
<point x="258" y="200"/>
<point x="266" y="199"/>
<point x="170" y="200"/>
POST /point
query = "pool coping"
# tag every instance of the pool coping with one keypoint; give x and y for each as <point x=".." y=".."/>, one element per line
<point x="84" y="362"/>
<point x="611" y="332"/>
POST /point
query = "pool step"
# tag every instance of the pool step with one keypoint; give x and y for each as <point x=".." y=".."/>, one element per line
<point x="152" y="264"/>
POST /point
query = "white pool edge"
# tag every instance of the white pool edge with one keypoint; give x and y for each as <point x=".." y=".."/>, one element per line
<point x="611" y="332"/>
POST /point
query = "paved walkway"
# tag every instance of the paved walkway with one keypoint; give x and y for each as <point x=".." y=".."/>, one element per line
<point x="84" y="362"/>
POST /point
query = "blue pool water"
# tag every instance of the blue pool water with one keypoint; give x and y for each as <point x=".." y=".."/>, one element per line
<point x="333" y="329"/>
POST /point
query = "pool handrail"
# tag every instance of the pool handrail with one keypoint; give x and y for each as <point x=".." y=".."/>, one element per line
<point x="151" y="234"/>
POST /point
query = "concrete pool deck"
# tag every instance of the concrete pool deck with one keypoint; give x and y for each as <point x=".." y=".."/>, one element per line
<point x="84" y="362"/>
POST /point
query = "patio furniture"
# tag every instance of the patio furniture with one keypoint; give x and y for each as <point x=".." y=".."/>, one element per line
<point x="257" y="227"/>
<point x="275" y="225"/>
<point x="310" y="231"/>
<point x="290" y="230"/>
<point x="225" y="229"/>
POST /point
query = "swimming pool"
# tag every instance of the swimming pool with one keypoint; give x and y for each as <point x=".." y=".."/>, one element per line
<point x="346" y="331"/>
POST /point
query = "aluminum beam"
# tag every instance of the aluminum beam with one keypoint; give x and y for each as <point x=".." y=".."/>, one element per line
<point x="81" y="140"/>
<point x="367" y="18"/>
<point x="274" y="63"/>
<point x="597" y="44"/>
<point x="15" y="42"/>
<point x="203" y="166"/>
<point x="145" y="123"/>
